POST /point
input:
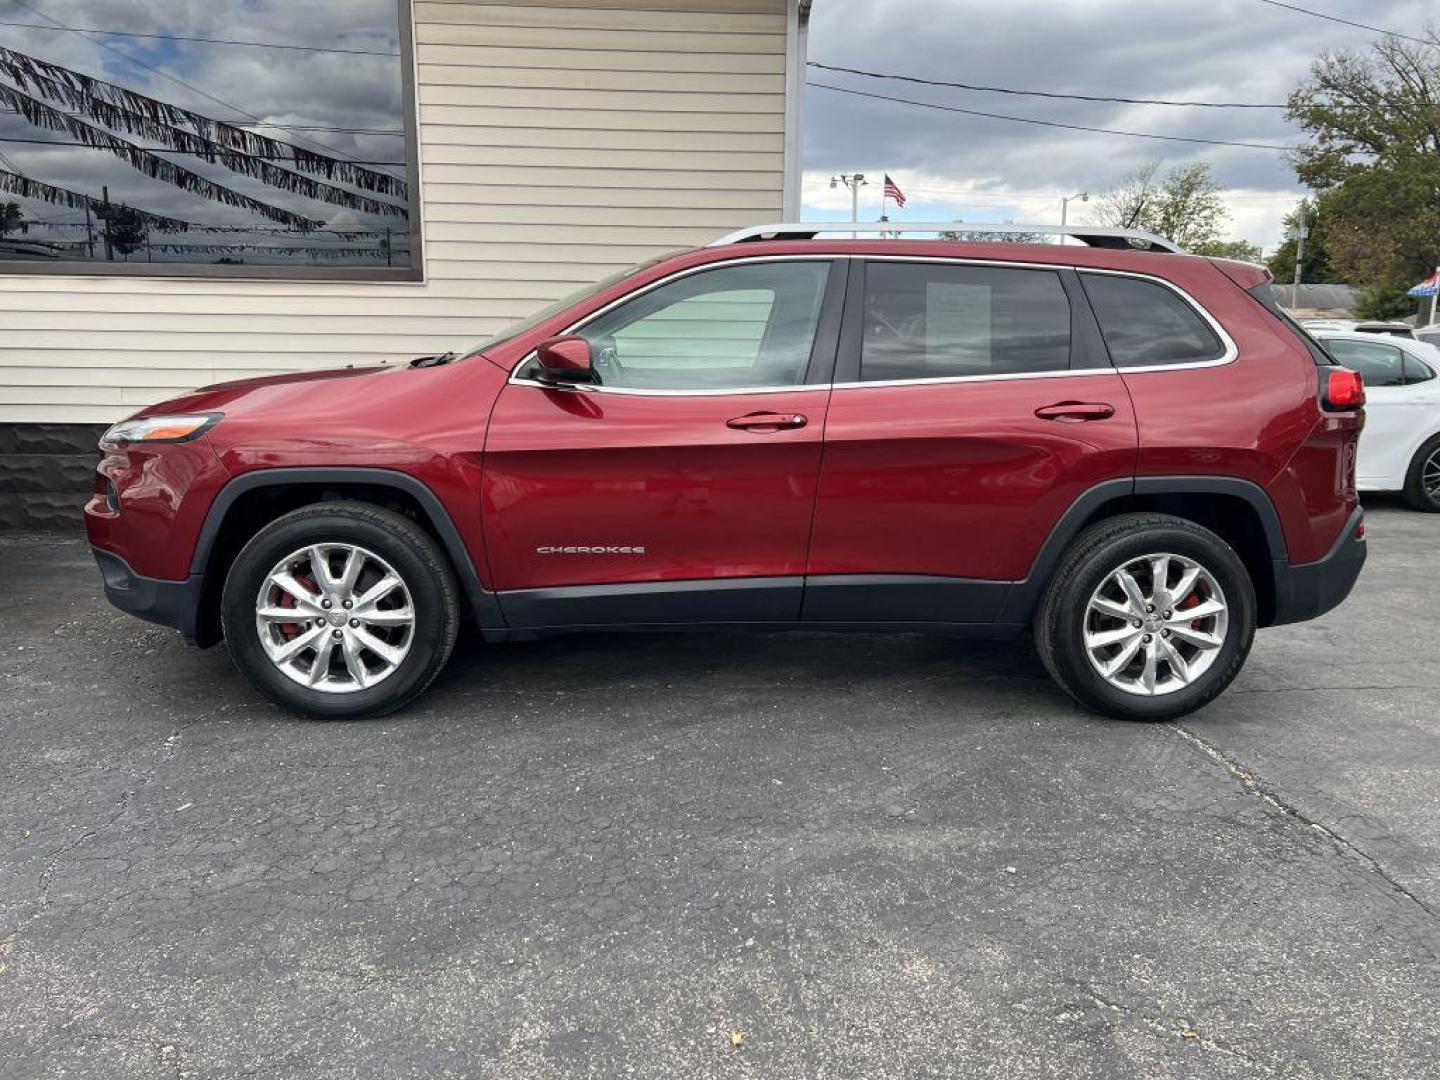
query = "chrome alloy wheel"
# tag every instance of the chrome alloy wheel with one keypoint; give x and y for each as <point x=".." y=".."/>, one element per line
<point x="1430" y="476"/>
<point x="335" y="618"/>
<point x="1155" y="624"/>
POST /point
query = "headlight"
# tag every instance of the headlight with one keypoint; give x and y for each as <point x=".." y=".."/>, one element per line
<point x="150" y="429"/>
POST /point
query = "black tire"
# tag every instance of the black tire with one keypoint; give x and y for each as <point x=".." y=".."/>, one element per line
<point x="1415" y="493"/>
<point x="415" y="557"/>
<point x="1095" y="554"/>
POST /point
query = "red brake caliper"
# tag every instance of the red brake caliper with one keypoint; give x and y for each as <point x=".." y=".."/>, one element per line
<point x="1193" y="600"/>
<point x="291" y="630"/>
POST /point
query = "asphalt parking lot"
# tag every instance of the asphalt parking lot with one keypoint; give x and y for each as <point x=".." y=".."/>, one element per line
<point x="801" y="855"/>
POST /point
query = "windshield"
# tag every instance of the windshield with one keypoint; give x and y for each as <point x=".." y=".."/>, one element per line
<point x="515" y="329"/>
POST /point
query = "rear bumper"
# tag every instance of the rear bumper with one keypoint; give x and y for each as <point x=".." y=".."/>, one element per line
<point x="175" y="604"/>
<point x="1311" y="589"/>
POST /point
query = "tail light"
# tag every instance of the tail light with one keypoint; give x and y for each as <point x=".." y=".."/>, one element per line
<point x="1341" y="389"/>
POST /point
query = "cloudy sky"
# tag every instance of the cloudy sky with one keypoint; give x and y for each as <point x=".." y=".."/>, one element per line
<point x="342" y="104"/>
<point x="951" y="165"/>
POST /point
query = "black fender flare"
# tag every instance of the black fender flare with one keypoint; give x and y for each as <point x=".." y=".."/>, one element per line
<point x="1020" y="605"/>
<point x="482" y="600"/>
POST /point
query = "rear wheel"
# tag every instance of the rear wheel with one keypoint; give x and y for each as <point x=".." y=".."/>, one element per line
<point x="1148" y="617"/>
<point x="340" y="610"/>
<point x="1422" y="482"/>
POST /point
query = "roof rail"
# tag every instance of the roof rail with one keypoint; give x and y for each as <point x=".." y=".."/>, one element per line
<point x="1092" y="235"/>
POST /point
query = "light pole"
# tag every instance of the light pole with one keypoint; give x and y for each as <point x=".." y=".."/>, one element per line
<point x="853" y="181"/>
<point x="1083" y="196"/>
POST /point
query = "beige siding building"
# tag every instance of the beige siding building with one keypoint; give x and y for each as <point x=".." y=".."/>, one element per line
<point x="558" y="140"/>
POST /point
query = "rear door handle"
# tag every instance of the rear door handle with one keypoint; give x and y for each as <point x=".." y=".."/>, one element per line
<point x="767" y="421"/>
<point x="1076" y="410"/>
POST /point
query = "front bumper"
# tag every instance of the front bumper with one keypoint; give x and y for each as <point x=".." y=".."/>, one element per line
<point x="175" y="604"/>
<point x="1311" y="589"/>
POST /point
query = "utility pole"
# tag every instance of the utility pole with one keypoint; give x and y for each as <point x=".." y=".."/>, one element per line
<point x="853" y="181"/>
<point x="1301" y="232"/>
<point x="89" y="229"/>
<point x="105" y="199"/>
<point x="1083" y="196"/>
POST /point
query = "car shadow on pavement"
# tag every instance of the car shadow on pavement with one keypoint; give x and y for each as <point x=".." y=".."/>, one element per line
<point x="840" y="668"/>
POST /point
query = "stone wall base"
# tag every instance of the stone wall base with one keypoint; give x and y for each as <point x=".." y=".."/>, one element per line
<point x="47" y="471"/>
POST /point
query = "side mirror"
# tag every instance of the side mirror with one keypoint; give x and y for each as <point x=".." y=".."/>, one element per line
<point x="565" y="359"/>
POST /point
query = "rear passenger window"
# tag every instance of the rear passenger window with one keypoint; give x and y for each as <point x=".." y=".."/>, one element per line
<point x="932" y="321"/>
<point x="1416" y="372"/>
<point x="1144" y="323"/>
<point x="1378" y="365"/>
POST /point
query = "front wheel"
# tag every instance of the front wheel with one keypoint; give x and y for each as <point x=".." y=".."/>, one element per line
<point x="340" y="610"/>
<point x="1148" y="617"/>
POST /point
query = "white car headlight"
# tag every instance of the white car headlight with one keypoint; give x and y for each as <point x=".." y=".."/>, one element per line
<point x="151" y="429"/>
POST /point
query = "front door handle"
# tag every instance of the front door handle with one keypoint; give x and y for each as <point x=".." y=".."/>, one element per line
<point x="767" y="421"/>
<point x="1074" y="411"/>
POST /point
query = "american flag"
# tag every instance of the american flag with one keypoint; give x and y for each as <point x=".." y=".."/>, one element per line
<point x="1429" y="287"/>
<point x="894" y="192"/>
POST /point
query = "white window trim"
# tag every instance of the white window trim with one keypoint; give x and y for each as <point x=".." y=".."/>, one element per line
<point x="1231" y="353"/>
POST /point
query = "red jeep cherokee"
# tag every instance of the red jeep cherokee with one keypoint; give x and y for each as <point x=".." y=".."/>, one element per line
<point x="1131" y="453"/>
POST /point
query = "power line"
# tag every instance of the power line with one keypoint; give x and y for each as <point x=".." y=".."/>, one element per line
<point x="974" y="196"/>
<point x="266" y="124"/>
<point x="1348" y="22"/>
<point x="201" y="40"/>
<point x="1043" y="93"/>
<point x="1054" y="196"/>
<point x="1049" y="123"/>
<point x="1108" y="99"/>
<point x="318" y="127"/>
<point x="174" y="78"/>
<point x="168" y="150"/>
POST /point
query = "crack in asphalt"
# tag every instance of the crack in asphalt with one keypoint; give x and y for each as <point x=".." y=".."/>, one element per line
<point x="1185" y="1033"/>
<point x="53" y="858"/>
<point x="172" y="741"/>
<point x="1332" y="689"/>
<point x="1271" y="797"/>
<point x="789" y="974"/>
<point x="52" y="863"/>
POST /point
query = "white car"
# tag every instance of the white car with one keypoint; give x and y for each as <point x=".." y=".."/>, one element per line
<point x="1384" y="329"/>
<point x="1400" y="446"/>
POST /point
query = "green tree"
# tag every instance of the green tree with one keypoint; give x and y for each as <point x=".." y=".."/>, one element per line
<point x="1184" y="205"/>
<point x="1373" y="154"/>
<point x="1316" y="269"/>
<point x="1384" y="302"/>
<point x="127" y="229"/>
<point x="10" y="217"/>
<point x="1242" y="250"/>
<point x="970" y="236"/>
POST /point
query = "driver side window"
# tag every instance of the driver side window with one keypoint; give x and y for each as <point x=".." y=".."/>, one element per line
<point x="733" y="327"/>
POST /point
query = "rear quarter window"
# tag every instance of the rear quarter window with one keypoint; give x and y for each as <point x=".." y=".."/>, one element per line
<point x="1146" y="324"/>
<point x="1264" y="295"/>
